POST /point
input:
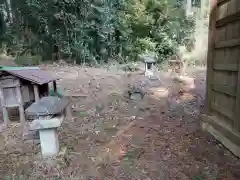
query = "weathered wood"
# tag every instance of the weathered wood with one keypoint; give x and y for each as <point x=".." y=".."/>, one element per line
<point x="223" y="100"/>
<point x="9" y="82"/>
<point x="228" y="43"/>
<point x="10" y="85"/>
<point x="68" y="108"/>
<point x="223" y="74"/>
<point x="223" y="111"/>
<point x="229" y="19"/>
<point x="225" y="134"/>
<point x="226" y="67"/>
<point x="16" y="92"/>
<point x="4" y="109"/>
<point x="223" y="128"/>
<point x="237" y="107"/>
<point x="225" y="89"/>
<point x="68" y="112"/>
<point x="54" y="86"/>
<point x="222" y="2"/>
<point x="8" y="77"/>
<point x="26" y="94"/>
<point x="10" y="97"/>
<point x="221" y="11"/>
<point x="36" y="93"/>
<point x="20" y="107"/>
<point x="210" y="55"/>
<point x="12" y="105"/>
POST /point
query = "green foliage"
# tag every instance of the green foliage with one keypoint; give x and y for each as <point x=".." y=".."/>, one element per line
<point x="28" y="60"/>
<point x="92" y="31"/>
<point x="129" y="67"/>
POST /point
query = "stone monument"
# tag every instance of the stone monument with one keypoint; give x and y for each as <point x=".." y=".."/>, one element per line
<point x="149" y="61"/>
<point x="47" y="115"/>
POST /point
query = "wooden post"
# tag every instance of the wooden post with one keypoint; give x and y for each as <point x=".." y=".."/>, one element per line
<point x="210" y="55"/>
<point x="54" y="86"/>
<point x="236" y="123"/>
<point x="68" y="112"/>
<point x="4" y="109"/>
<point x="36" y="93"/>
<point x="20" y="101"/>
<point x="183" y="67"/>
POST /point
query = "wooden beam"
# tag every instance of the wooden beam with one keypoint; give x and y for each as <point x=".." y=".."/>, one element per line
<point x="4" y="109"/>
<point x="20" y="105"/>
<point x="210" y="55"/>
<point x="220" y="2"/>
<point x="228" y="43"/>
<point x="237" y="107"/>
<point x="8" y="77"/>
<point x="229" y="19"/>
<point x="222" y="132"/>
<point x="9" y="85"/>
<point x="68" y="110"/>
<point x="36" y="92"/>
<point x="226" y="67"/>
<point x="54" y="86"/>
<point x="223" y="128"/>
<point x="223" y="111"/>
<point x="225" y="89"/>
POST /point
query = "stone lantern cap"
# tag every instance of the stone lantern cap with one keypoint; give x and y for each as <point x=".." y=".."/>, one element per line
<point x="47" y="123"/>
<point x="46" y="106"/>
<point x="148" y="58"/>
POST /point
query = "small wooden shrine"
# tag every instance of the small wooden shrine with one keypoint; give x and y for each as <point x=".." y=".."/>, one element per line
<point x="21" y="86"/>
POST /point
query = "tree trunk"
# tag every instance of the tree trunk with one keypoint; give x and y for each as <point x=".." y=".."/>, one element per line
<point x="188" y="7"/>
<point x="8" y="10"/>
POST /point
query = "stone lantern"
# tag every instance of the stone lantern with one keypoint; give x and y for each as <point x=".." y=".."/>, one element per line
<point x="149" y="61"/>
<point x="47" y="115"/>
<point x="149" y="67"/>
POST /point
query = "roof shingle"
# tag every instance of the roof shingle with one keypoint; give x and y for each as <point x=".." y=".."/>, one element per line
<point x="36" y="76"/>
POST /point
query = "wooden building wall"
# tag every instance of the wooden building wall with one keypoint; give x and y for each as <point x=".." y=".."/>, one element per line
<point x="222" y="118"/>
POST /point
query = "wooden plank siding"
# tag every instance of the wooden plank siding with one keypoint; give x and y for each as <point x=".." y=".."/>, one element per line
<point x="223" y="60"/>
<point x="210" y="54"/>
<point x="223" y="69"/>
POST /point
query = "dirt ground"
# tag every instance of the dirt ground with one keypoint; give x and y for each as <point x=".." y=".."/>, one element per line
<point x="114" y="137"/>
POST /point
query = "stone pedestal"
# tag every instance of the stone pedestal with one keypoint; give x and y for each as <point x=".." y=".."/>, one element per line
<point x="149" y="67"/>
<point x="149" y="72"/>
<point x="49" y="142"/>
<point x="48" y="134"/>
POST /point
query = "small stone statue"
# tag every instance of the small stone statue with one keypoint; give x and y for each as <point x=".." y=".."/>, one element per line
<point x="136" y="89"/>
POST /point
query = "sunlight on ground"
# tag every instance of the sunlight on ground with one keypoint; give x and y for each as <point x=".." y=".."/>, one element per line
<point x="187" y="96"/>
<point x="159" y="92"/>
